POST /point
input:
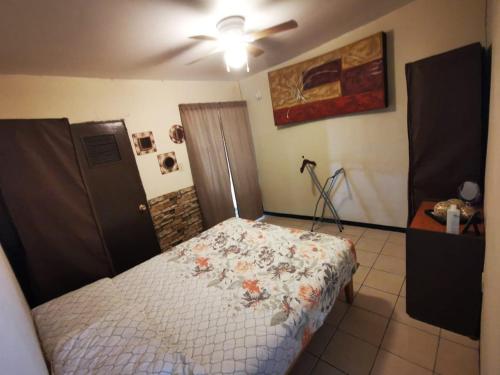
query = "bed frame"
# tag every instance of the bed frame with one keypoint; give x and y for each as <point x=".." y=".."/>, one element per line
<point x="349" y="292"/>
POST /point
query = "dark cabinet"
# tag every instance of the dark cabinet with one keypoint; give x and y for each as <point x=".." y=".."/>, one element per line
<point x="447" y="135"/>
<point x="443" y="275"/>
<point x="446" y="124"/>
<point x="51" y="237"/>
<point x="70" y="218"/>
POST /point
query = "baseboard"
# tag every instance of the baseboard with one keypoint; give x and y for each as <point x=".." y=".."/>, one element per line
<point x="345" y="222"/>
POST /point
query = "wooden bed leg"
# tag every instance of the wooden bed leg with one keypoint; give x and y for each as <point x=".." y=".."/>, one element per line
<point x="349" y="293"/>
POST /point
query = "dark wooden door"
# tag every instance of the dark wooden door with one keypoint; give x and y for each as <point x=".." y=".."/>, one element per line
<point x="110" y="172"/>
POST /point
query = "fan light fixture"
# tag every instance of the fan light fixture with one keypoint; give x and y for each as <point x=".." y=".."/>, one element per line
<point x="236" y="57"/>
<point x="232" y="42"/>
<point x="235" y="44"/>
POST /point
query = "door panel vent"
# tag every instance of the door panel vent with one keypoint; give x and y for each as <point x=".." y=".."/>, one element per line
<point x="101" y="149"/>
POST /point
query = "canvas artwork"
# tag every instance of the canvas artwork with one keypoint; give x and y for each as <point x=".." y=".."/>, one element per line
<point x="347" y="80"/>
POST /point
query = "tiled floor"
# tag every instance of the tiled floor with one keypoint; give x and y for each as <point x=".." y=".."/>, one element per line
<point x="374" y="335"/>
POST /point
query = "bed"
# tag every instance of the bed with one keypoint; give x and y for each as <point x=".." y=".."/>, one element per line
<point x="243" y="297"/>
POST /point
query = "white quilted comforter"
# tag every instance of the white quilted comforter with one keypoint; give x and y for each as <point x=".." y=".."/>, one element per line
<point x="242" y="297"/>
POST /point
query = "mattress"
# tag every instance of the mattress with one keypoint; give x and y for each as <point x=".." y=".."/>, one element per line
<point x="243" y="297"/>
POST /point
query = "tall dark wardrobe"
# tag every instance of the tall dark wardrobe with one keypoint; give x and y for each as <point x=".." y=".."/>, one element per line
<point x="72" y="207"/>
<point x="447" y="127"/>
<point x="447" y="131"/>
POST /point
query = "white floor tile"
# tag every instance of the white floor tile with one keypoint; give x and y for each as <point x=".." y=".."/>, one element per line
<point x="375" y="301"/>
<point x="401" y="316"/>
<point x="364" y="324"/>
<point x="365" y="258"/>
<point x="370" y="244"/>
<point x="385" y="281"/>
<point x="390" y="364"/>
<point x="459" y="339"/>
<point x="456" y="359"/>
<point x="411" y="344"/>
<point x="390" y="264"/>
<point x="376" y="234"/>
<point x="350" y="354"/>
<point x="323" y="368"/>
<point x="395" y="250"/>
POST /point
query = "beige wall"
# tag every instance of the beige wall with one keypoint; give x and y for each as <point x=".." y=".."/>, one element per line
<point x="20" y="351"/>
<point x="144" y="105"/>
<point x="490" y="329"/>
<point x="373" y="147"/>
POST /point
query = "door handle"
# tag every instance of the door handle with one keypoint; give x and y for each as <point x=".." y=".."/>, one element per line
<point x="143" y="207"/>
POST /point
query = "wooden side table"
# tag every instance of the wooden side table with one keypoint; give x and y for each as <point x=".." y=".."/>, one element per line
<point x="444" y="273"/>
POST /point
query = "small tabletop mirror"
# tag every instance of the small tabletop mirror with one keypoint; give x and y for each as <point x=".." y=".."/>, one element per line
<point x="470" y="192"/>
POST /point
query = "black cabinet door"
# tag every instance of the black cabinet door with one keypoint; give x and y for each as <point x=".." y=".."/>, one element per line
<point x="443" y="280"/>
<point x="112" y="178"/>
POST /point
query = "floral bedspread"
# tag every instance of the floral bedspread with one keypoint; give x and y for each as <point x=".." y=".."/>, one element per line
<point x="243" y="297"/>
<point x="294" y="273"/>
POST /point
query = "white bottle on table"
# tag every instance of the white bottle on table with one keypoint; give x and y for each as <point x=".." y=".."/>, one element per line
<point x="453" y="220"/>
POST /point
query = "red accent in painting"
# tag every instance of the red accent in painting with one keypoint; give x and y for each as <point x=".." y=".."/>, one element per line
<point x="330" y="107"/>
<point x="363" y="78"/>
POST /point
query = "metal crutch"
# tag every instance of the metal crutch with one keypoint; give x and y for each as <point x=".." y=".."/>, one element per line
<point x="324" y="193"/>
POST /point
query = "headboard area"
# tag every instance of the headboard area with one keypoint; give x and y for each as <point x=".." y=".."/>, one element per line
<point x="20" y="351"/>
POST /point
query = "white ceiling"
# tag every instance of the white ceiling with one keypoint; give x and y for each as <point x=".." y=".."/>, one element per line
<point x="149" y="38"/>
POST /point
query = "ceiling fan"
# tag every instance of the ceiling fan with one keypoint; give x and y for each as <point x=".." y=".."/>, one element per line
<point x="236" y="44"/>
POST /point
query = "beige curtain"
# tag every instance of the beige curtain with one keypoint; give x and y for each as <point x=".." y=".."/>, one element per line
<point x="241" y="156"/>
<point x="208" y="162"/>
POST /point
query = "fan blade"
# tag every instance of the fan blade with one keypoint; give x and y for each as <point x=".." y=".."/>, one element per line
<point x="214" y="52"/>
<point x="261" y="34"/>
<point x="254" y="51"/>
<point x="204" y="37"/>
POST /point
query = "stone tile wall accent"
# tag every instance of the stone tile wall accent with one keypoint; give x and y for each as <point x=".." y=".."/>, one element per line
<point x="176" y="217"/>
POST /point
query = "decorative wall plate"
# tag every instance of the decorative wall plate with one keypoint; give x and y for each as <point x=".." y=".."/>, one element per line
<point x="177" y="133"/>
<point x="168" y="162"/>
<point x="144" y="143"/>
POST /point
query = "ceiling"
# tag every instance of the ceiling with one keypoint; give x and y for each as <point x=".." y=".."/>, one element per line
<point x="148" y="39"/>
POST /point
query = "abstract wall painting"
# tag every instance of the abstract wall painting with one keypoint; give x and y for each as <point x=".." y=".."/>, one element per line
<point x="347" y="80"/>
